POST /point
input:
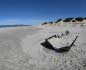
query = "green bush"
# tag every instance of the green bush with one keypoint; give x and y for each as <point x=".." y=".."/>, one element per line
<point x="44" y="23"/>
<point x="79" y="19"/>
<point x="50" y="22"/>
<point x="73" y="20"/>
<point x="58" y="20"/>
<point x="67" y="19"/>
<point x="85" y="18"/>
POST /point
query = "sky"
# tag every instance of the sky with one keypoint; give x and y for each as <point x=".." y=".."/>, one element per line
<point x="38" y="11"/>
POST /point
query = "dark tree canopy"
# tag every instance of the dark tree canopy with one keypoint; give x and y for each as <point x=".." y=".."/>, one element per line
<point x="85" y="18"/>
<point x="67" y="19"/>
<point x="44" y="23"/>
<point x="58" y="20"/>
<point x="73" y="20"/>
<point x="51" y="22"/>
<point x="79" y="19"/>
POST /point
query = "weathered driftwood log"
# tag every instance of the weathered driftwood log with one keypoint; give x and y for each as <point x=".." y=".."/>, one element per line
<point x="51" y="37"/>
<point x="48" y="45"/>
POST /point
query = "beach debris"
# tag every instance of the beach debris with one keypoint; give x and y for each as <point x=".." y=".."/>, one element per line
<point x="67" y="32"/>
<point x="57" y="44"/>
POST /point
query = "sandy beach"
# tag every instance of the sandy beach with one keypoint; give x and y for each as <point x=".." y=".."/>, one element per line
<point x="20" y="49"/>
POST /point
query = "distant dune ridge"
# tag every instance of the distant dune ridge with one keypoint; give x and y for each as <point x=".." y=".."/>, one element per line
<point x="70" y="20"/>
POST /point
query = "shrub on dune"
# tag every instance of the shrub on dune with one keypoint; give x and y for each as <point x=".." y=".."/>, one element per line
<point x="44" y="23"/>
<point x="73" y="20"/>
<point x="79" y="19"/>
<point x="67" y="19"/>
<point x="58" y="20"/>
<point x="85" y="18"/>
<point x="50" y="22"/>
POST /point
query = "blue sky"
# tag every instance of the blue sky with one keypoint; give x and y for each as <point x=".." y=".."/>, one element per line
<point x="38" y="11"/>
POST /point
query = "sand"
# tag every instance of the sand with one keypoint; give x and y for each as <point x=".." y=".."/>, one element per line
<point x="20" y="49"/>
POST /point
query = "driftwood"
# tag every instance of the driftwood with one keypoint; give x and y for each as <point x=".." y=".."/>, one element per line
<point x="48" y="45"/>
<point x="58" y="36"/>
<point x="51" y="37"/>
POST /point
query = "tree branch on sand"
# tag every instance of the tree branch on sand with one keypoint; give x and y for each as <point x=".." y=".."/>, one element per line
<point x="62" y="49"/>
